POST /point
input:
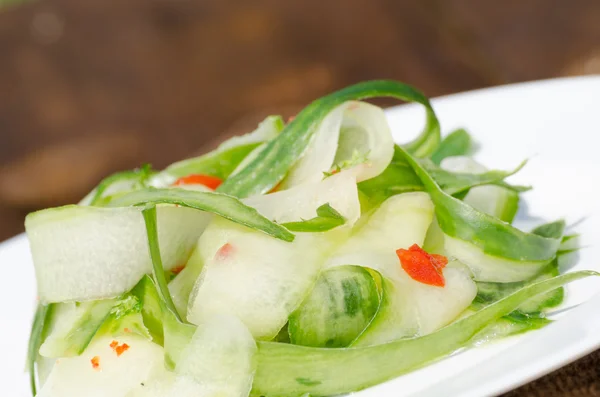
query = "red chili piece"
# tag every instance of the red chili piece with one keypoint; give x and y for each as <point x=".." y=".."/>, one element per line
<point x="225" y="251"/>
<point x="199" y="179"/>
<point x="423" y="267"/>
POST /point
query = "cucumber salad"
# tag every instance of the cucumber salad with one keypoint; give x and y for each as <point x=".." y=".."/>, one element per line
<point x="309" y="258"/>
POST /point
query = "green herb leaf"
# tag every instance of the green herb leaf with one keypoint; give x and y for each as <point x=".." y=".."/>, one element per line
<point x="327" y="218"/>
<point x="457" y="143"/>
<point x="356" y="159"/>
<point x="225" y="206"/>
<point x="280" y="154"/>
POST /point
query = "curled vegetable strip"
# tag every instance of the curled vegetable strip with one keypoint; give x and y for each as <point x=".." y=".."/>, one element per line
<point x="283" y="370"/>
<point x="351" y="129"/>
<point x="494" y="250"/>
<point x="281" y="153"/>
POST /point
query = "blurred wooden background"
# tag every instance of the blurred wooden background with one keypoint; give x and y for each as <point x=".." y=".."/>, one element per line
<point x="91" y="87"/>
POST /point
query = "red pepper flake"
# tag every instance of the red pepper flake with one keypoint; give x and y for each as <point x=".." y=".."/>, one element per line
<point x="127" y="330"/>
<point x="223" y="252"/>
<point x="423" y="267"/>
<point x="291" y="118"/>
<point x="177" y="269"/>
<point x="199" y="179"/>
<point x="353" y="106"/>
<point x="95" y="362"/>
<point x="121" y="349"/>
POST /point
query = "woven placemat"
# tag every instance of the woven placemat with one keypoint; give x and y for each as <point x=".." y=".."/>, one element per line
<point x="582" y="378"/>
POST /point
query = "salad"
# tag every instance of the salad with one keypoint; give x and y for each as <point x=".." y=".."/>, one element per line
<point x="309" y="258"/>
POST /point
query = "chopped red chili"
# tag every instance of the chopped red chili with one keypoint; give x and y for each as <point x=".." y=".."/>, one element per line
<point x="423" y="267"/>
<point x="199" y="179"/>
<point x="121" y="349"/>
<point x="95" y="362"/>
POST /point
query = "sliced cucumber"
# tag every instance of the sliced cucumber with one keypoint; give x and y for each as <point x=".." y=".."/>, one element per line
<point x="220" y="357"/>
<point x="218" y="361"/>
<point x="349" y="129"/>
<point x="338" y="309"/>
<point x="114" y="376"/>
<point x="512" y="324"/>
<point x="73" y="325"/>
<point x="399" y="222"/>
<point x="259" y="279"/>
<point x="491" y="292"/>
<point x="85" y="253"/>
<point x="411" y="308"/>
<point x="181" y="286"/>
<point x="497" y="201"/>
<point x="486" y="267"/>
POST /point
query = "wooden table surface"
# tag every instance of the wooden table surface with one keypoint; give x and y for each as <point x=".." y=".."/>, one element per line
<point x="92" y="87"/>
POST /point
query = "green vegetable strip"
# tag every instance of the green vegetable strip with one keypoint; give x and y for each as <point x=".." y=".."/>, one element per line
<point x="139" y="175"/>
<point x="457" y="143"/>
<point x="280" y="154"/>
<point x="493" y="236"/>
<point x="158" y="271"/>
<point x="288" y="370"/>
<point x="457" y="182"/>
<point x="35" y="341"/>
<point x="225" y="206"/>
<point x="489" y="292"/>
<point x="327" y="218"/>
<point x="399" y="177"/>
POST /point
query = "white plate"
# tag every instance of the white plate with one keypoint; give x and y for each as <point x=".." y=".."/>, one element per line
<point x="556" y="124"/>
